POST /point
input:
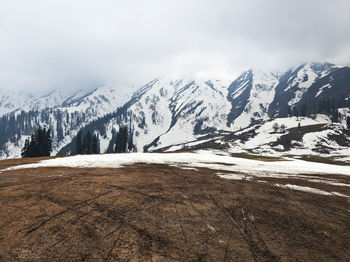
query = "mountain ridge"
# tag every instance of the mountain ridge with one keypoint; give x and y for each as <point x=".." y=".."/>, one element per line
<point x="166" y="112"/>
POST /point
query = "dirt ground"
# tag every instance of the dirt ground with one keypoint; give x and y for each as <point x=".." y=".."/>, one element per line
<point x="164" y="213"/>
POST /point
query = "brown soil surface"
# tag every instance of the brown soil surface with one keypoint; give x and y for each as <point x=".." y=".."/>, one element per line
<point x="22" y="161"/>
<point x="162" y="213"/>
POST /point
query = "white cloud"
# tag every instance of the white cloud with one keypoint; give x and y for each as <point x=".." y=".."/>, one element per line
<point x="68" y="44"/>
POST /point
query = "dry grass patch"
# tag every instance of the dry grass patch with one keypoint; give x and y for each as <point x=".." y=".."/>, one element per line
<point x="162" y="213"/>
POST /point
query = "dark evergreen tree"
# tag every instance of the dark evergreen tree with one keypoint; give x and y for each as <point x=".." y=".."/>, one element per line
<point x="328" y="106"/>
<point x="79" y="145"/>
<point x="335" y="116"/>
<point x="283" y="128"/>
<point x="286" y="141"/>
<point x="87" y="143"/>
<point x="95" y="144"/>
<point x="48" y="143"/>
<point x="59" y="129"/>
<point x="41" y="133"/>
<point x="32" y="147"/>
<point x="121" y="140"/>
<point x="295" y="111"/>
<point x="303" y="110"/>
<point x="131" y="146"/>
<point x="25" y="149"/>
<point x="44" y="142"/>
<point x="38" y="145"/>
<point x="275" y="127"/>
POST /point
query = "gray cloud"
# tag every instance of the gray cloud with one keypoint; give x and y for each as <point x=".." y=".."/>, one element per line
<point x="73" y="44"/>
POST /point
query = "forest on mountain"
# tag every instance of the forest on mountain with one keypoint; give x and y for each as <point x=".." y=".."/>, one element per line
<point x="39" y="144"/>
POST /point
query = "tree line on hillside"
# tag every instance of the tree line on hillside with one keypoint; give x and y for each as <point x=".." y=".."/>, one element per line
<point x="39" y="144"/>
<point x="124" y="141"/>
<point x="282" y="128"/>
<point x="326" y="106"/>
<point x="61" y="123"/>
<point x="279" y="129"/>
<point x="90" y="143"/>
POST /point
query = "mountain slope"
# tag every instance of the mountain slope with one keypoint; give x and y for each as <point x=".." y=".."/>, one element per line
<point x="301" y="136"/>
<point x="169" y="114"/>
<point x="163" y="109"/>
<point x="63" y="114"/>
<point x="197" y="108"/>
<point x="11" y="100"/>
<point x="307" y="86"/>
<point x="250" y="96"/>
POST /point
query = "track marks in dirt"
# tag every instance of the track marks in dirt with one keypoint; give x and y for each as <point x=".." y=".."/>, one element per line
<point x="33" y="227"/>
<point x="157" y="212"/>
<point x="249" y="232"/>
<point x="181" y="226"/>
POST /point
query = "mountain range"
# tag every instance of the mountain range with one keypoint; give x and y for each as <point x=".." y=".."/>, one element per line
<point x="168" y="114"/>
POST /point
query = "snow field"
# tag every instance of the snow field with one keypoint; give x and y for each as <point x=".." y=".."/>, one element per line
<point x="239" y="167"/>
<point x="265" y="133"/>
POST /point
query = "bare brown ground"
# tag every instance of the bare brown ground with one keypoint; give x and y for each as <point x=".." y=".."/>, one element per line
<point x="161" y="213"/>
<point x="22" y="161"/>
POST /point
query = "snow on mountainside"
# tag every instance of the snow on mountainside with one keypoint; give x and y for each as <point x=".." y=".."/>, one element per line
<point x="64" y="114"/>
<point x="51" y="100"/>
<point x="170" y="114"/>
<point x="316" y="136"/>
<point x="11" y="100"/>
<point x="264" y="134"/>
<point x="150" y="113"/>
<point x="197" y="108"/>
<point x="308" y="86"/>
<point x="165" y="112"/>
<point x="305" y="77"/>
<point x="96" y="101"/>
<point x="261" y="94"/>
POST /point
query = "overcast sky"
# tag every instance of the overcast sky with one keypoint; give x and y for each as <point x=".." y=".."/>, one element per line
<point x="70" y="44"/>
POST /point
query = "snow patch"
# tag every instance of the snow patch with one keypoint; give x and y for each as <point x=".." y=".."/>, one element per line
<point x="205" y="159"/>
<point x="310" y="190"/>
<point x="304" y="79"/>
<point x="322" y="89"/>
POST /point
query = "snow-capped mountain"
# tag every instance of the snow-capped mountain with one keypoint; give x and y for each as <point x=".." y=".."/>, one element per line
<point x="191" y="108"/>
<point x="96" y="101"/>
<point x="169" y="113"/>
<point x="250" y="96"/>
<point x="11" y="100"/>
<point x="309" y="85"/>
<point x="162" y="109"/>
<point x="64" y="113"/>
